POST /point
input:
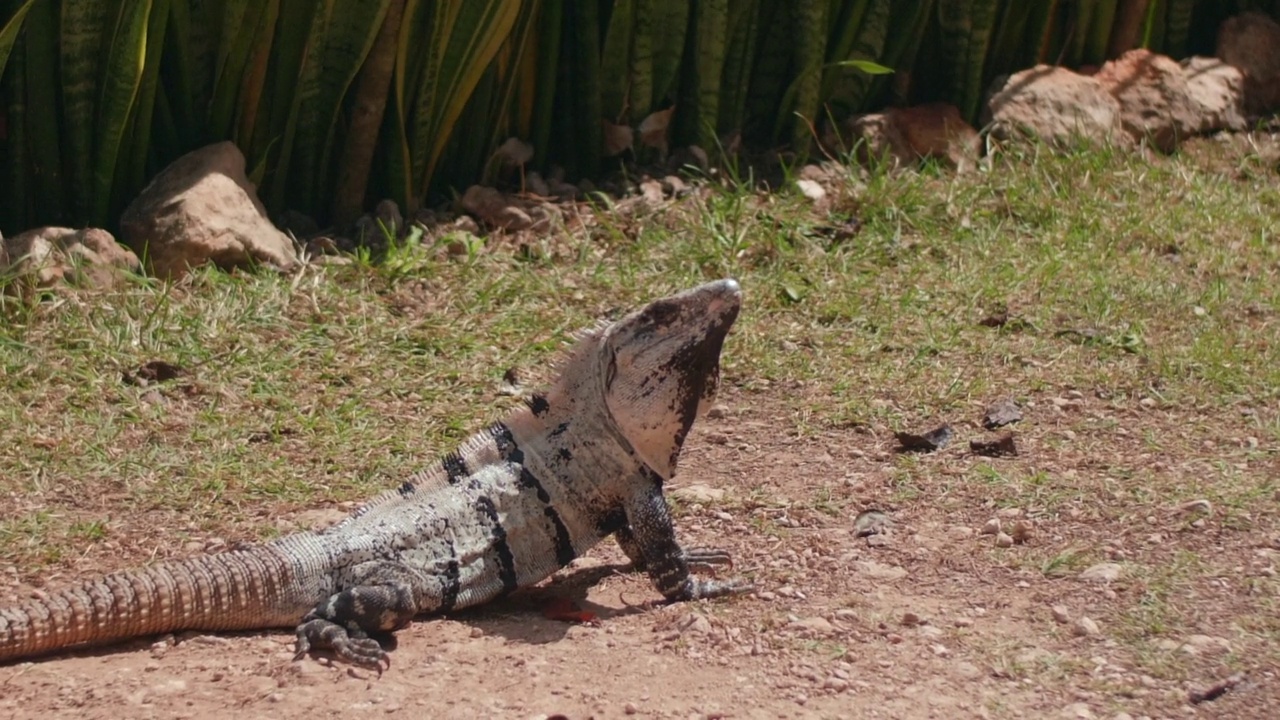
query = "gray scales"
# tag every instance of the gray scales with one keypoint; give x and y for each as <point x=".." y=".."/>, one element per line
<point x="585" y="460"/>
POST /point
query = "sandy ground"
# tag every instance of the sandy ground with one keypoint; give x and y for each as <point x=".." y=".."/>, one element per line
<point x="930" y="620"/>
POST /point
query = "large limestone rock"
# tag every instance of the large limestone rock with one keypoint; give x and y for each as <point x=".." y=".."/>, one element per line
<point x="1057" y="106"/>
<point x="1155" y="105"/>
<point x="44" y="257"/>
<point x="202" y="209"/>
<point x="1251" y="42"/>
<point x="1216" y="90"/>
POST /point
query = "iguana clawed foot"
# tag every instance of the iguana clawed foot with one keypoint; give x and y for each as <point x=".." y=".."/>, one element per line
<point x="707" y="559"/>
<point x="352" y="645"/>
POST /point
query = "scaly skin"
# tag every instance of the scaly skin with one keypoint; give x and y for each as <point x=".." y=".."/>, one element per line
<point x="515" y="503"/>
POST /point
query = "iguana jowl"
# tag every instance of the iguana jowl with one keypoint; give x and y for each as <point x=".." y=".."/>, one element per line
<point x="585" y="460"/>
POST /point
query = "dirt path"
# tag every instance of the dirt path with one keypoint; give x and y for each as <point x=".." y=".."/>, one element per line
<point x="928" y="621"/>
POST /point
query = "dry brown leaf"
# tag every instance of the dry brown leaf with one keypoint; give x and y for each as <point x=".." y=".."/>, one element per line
<point x="617" y="138"/>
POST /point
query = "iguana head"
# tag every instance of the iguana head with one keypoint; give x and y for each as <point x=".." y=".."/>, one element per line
<point x="661" y="368"/>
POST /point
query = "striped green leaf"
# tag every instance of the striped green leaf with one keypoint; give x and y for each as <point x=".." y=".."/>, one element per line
<point x="41" y="65"/>
<point x="9" y="33"/>
<point x="463" y="36"/>
<point x="83" y="30"/>
<point x="615" y="62"/>
<point x="711" y="20"/>
<point x="126" y="56"/>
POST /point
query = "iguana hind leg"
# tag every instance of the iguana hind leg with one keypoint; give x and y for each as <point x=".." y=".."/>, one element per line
<point x="382" y="600"/>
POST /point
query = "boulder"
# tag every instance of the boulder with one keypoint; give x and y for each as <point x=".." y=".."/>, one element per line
<point x="904" y="136"/>
<point x="1250" y="42"/>
<point x="203" y="209"/>
<point x="1216" y="90"/>
<point x="1155" y="105"/>
<point x="1057" y="106"/>
<point x="937" y="130"/>
<point x="43" y="257"/>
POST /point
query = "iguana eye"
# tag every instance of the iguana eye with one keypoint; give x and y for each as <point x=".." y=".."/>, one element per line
<point x="661" y="313"/>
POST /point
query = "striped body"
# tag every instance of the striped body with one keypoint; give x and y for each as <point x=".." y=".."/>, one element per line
<point x="515" y="503"/>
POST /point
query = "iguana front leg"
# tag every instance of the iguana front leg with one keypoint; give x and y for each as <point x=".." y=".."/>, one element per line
<point x="650" y="538"/>
<point x="699" y="559"/>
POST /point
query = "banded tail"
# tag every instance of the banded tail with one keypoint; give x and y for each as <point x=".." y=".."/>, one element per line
<point x="238" y="590"/>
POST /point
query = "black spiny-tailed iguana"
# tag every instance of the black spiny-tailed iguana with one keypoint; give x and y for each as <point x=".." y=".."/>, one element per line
<point x="515" y="503"/>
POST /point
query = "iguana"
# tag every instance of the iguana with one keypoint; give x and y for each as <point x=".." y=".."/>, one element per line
<point x="584" y="460"/>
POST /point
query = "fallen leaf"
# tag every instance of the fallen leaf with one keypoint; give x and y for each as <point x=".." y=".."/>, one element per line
<point x="566" y="610"/>
<point x="617" y="138"/>
<point x="653" y="129"/>
<point x="514" y="152"/>
<point x="1002" y="446"/>
<point x="933" y="440"/>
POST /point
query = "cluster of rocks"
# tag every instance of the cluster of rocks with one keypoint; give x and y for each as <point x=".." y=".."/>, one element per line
<point x="1139" y="98"/>
<point x="204" y="209"/>
<point x="201" y="209"/>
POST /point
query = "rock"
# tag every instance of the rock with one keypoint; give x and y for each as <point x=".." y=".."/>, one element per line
<point x="811" y="190"/>
<point x="937" y="131"/>
<point x="879" y="571"/>
<point x="718" y="411"/>
<point x="871" y="523"/>
<point x="1060" y="614"/>
<point x="698" y="493"/>
<point x="202" y="209"/>
<point x="1102" y="573"/>
<point x="1155" y="105"/>
<point x="991" y="527"/>
<point x="389" y="217"/>
<point x="1022" y="531"/>
<point x="1216" y="90"/>
<point x="1085" y="627"/>
<point x="696" y="624"/>
<point x="904" y="136"/>
<point x="1250" y="42"/>
<point x="1055" y="105"/>
<point x="1004" y="540"/>
<point x="877" y="140"/>
<point x="300" y="225"/>
<point x="45" y="256"/>
<point x="910" y="619"/>
<point x="534" y="183"/>
<point x="1077" y="711"/>
<point x="501" y="211"/>
<point x="1206" y="645"/>
<point x="812" y="625"/>
<point x="1001" y="413"/>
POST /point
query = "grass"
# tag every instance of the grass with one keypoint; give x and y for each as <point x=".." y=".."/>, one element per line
<point x="1148" y="286"/>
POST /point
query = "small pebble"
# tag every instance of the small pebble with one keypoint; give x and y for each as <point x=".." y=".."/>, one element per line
<point x="1085" y="627"/>
<point x="991" y="527"/>
<point x="630" y="709"/>
<point x="1004" y="540"/>
<point x="1061" y="614"/>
